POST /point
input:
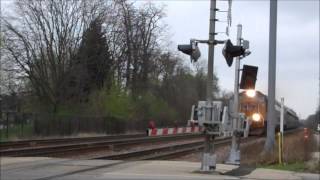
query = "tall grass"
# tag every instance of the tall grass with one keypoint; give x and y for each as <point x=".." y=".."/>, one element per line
<point x="296" y="149"/>
<point x="297" y="154"/>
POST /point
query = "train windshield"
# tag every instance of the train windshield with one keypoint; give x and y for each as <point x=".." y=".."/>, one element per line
<point x="249" y="107"/>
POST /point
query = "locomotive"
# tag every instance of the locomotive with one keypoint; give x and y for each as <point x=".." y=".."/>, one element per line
<point x="255" y="108"/>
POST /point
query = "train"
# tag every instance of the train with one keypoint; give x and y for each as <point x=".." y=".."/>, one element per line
<point x="255" y="109"/>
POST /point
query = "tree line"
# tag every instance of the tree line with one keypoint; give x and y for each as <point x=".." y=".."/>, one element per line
<point x="101" y="58"/>
<point x="313" y="120"/>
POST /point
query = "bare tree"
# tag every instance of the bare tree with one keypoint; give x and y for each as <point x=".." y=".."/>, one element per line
<point x="58" y="46"/>
<point x="43" y="38"/>
<point x="141" y="32"/>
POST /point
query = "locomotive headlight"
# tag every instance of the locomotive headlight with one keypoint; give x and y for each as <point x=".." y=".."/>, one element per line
<point x="256" y="117"/>
<point x="251" y="93"/>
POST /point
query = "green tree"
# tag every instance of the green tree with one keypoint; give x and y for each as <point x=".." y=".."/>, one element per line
<point x="181" y="87"/>
<point x="313" y="120"/>
<point x="92" y="68"/>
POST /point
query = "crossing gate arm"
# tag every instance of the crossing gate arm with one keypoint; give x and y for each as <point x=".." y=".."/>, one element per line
<point x="173" y="131"/>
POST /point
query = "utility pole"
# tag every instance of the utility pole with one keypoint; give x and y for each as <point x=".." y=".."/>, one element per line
<point x="208" y="158"/>
<point x="234" y="156"/>
<point x="271" y="77"/>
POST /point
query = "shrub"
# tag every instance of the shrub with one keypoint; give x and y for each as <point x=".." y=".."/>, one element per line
<point x="114" y="102"/>
<point x="149" y="107"/>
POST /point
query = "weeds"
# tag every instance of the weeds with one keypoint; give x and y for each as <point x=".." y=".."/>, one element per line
<point x="297" y="154"/>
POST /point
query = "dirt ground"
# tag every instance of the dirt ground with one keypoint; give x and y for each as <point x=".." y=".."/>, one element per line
<point x="296" y="149"/>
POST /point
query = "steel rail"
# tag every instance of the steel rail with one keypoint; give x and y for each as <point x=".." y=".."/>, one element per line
<point x="55" y="141"/>
<point x="174" y="150"/>
<point x="58" y="149"/>
<point x="161" y="152"/>
<point x="186" y="150"/>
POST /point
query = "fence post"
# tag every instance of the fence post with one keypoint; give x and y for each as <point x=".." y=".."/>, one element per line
<point x="7" y="130"/>
<point x="34" y="119"/>
<point x="79" y="125"/>
<point x="305" y="140"/>
<point x="104" y="125"/>
<point x="70" y="124"/>
<point x="21" y="124"/>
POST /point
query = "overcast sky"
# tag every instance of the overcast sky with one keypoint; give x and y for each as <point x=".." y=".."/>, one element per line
<point x="297" y="44"/>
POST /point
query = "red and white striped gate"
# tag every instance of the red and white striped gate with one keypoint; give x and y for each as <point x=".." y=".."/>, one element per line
<point x="172" y="131"/>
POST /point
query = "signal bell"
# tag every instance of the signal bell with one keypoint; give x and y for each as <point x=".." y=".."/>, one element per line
<point x="230" y="51"/>
<point x="248" y="77"/>
<point x="190" y="49"/>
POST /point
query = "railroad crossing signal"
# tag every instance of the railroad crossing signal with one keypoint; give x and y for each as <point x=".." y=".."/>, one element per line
<point x="248" y="77"/>
<point x="230" y="51"/>
<point x="190" y="49"/>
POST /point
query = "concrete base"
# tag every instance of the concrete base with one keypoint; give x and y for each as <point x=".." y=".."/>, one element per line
<point x="234" y="157"/>
<point x="208" y="163"/>
<point x="51" y="168"/>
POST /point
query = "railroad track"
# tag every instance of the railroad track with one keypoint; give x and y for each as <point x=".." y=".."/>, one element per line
<point x="90" y="146"/>
<point x="56" y="141"/>
<point x="170" y="151"/>
<point x="76" y="146"/>
<point x="163" y="152"/>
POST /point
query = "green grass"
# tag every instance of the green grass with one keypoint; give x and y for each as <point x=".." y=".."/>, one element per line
<point x="296" y="167"/>
<point x="16" y="132"/>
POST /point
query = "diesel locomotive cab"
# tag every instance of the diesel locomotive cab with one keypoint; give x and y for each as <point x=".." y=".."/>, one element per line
<point x="254" y="107"/>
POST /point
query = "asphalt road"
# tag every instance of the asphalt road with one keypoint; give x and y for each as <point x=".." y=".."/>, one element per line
<point x="38" y="168"/>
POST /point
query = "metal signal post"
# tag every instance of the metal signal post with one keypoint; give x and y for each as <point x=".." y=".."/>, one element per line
<point x="234" y="156"/>
<point x="208" y="162"/>
<point x="211" y="114"/>
<point x="280" y="134"/>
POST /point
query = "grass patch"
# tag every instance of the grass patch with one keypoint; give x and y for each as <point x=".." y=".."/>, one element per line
<point x="296" y="167"/>
<point x="16" y="132"/>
